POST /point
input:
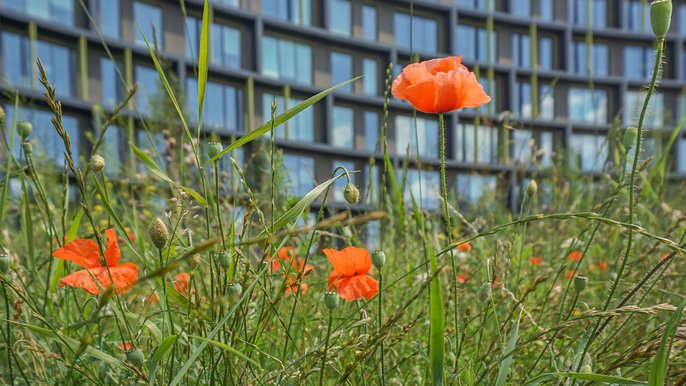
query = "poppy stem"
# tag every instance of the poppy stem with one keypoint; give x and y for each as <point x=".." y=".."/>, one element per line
<point x="326" y="348"/>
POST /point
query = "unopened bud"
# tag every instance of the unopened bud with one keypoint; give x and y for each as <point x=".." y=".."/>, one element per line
<point x="24" y="128"/>
<point x="660" y="17"/>
<point x="378" y="259"/>
<point x="630" y="137"/>
<point x="224" y="258"/>
<point x="234" y="291"/>
<point x="331" y="299"/>
<point x="351" y="194"/>
<point x="158" y="233"/>
<point x="580" y="282"/>
<point x="97" y="163"/>
<point x="214" y="148"/>
<point x="4" y="262"/>
<point x="532" y="188"/>
<point x="485" y="292"/>
<point x="136" y="357"/>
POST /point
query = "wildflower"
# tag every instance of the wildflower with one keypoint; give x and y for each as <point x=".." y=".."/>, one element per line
<point x="295" y="286"/>
<point x="569" y="275"/>
<point x="535" y="260"/>
<point x="462" y="278"/>
<point x="439" y="86"/>
<point x="125" y="346"/>
<point x="575" y="255"/>
<point x="465" y="247"/>
<point x="285" y="254"/>
<point x="181" y="283"/>
<point x="603" y="266"/>
<point x="86" y="253"/>
<point x="349" y="275"/>
<point x="331" y="300"/>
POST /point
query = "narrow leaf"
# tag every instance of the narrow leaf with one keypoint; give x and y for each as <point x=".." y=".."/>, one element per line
<point x="203" y="58"/>
<point x="659" y="368"/>
<point x="160" y="352"/>
<point x="228" y="348"/>
<point x="507" y="354"/>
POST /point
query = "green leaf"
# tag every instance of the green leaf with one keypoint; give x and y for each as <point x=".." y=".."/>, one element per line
<point x="203" y="58"/>
<point x="507" y="354"/>
<point x="159" y="353"/>
<point x="659" y="368"/>
<point x="278" y="120"/>
<point x="152" y="166"/>
<point x="601" y="378"/>
<point x="228" y="348"/>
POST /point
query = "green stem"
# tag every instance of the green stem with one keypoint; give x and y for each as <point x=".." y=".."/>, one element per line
<point x="326" y="349"/>
<point x="381" y="343"/>
<point x="216" y="197"/>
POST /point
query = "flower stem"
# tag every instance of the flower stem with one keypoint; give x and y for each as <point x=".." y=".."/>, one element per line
<point x="326" y="348"/>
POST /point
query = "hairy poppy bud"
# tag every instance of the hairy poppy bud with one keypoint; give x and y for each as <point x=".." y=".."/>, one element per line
<point x="214" y="148"/>
<point x="660" y="17"/>
<point x="378" y="259"/>
<point x="224" y="259"/>
<point x="331" y="299"/>
<point x="580" y="282"/>
<point x="97" y="163"/>
<point x="234" y="291"/>
<point x="24" y="128"/>
<point x="485" y="292"/>
<point x="630" y="137"/>
<point x="351" y="194"/>
<point x="4" y="262"/>
<point x="28" y="148"/>
<point x="158" y="233"/>
<point x="532" y="188"/>
<point x="136" y="357"/>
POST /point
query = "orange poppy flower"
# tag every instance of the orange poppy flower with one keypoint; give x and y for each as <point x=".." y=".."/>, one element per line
<point x="439" y="86"/>
<point x="569" y="275"/>
<point x="285" y="254"/>
<point x="349" y="275"/>
<point x="465" y="247"/>
<point x="86" y="253"/>
<point x="462" y="278"/>
<point x="535" y="260"/>
<point x="603" y="266"/>
<point x="125" y="346"/>
<point x="181" y="283"/>
<point x="575" y="255"/>
<point x="292" y="287"/>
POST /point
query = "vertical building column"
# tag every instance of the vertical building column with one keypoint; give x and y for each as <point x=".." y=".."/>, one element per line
<point x="83" y="68"/>
<point x="33" y="52"/>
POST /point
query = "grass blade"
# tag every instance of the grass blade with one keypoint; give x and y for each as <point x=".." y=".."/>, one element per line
<point x="228" y="348"/>
<point x="659" y="368"/>
<point x="601" y="378"/>
<point x="507" y="354"/>
<point x="203" y="59"/>
<point x="160" y="352"/>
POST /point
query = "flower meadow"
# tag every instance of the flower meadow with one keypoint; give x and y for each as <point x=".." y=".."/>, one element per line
<point x="188" y="273"/>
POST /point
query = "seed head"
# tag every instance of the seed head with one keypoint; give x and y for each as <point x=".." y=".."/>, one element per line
<point x="660" y="17"/>
<point x="97" y="163"/>
<point x="24" y="128"/>
<point x="4" y="262"/>
<point x="234" y="291"/>
<point x="580" y="282"/>
<point x="214" y="148"/>
<point x="485" y="292"/>
<point x="532" y="188"/>
<point x="331" y="300"/>
<point x="224" y="259"/>
<point x="378" y="259"/>
<point x="136" y="357"/>
<point x="351" y="194"/>
<point x="158" y="233"/>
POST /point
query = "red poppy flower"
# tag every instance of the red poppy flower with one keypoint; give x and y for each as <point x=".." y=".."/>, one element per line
<point x="439" y="86"/>
<point x="285" y="254"/>
<point x="125" y="346"/>
<point x="292" y="287"/>
<point x="181" y="283"/>
<point x="462" y="278"/>
<point x="663" y="257"/>
<point x="569" y="275"/>
<point x="603" y="266"/>
<point x="86" y="253"/>
<point x="349" y="275"/>
<point x="575" y="255"/>
<point x="466" y="247"/>
<point x="535" y="260"/>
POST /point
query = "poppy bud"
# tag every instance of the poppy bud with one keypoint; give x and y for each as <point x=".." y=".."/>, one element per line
<point x="379" y="259"/>
<point x="331" y="299"/>
<point x="4" y="262"/>
<point x="214" y="148"/>
<point x="234" y="291"/>
<point x="28" y="148"/>
<point x="158" y="233"/>
<point x="351" y="194"/>
<point x="532" y="188"/>
<point x="24" y="128"/>
<point x="485" y="292"/>
<point x="580" y="282"/>
<point x="630" y="137"/>
<point x="97" y="163"/>
<point x="136" y="357"/>
<point x="224" y="259"/>
<point x="660" y="17"/>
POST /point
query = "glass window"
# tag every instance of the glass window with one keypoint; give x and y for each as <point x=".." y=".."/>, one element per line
<point x="152" y="144"/>
<point x="597" y="64"/>
<point x="300" y="174"/>
<point x="108" y="17"/>
<point x="545" y="53"/>
<point x="16" y="60"/>
<point x="58" y="62"/>
<point x="371" y="191"/>
<point x="476" y="144"/>
<point x="223" y="106"/>
<point x="474" y="43"/>
<point x="373" y="239"/>
<point x="369" y="22"/>
<point x="371" y="130"/>
<point x="231" y="3"/>
<point x="546" y="97"/>
<point x="339" y="185"/>
<point x="57" y="11"/>
<point x="286" y="60"/>
<point x="589" y="152"/>
<point x="472" y="188"/>
<point x="633" y="102"/>
<point x="340" y="17"/>
<point x="294" y="11"/>
<point x="481" y="5"/>
<point x="521" y="50"/>
<point x="113" y="148"/>
<point x="225" y="43"/>
<point x="586" y="105"/>
<point x="682" y="19"/>
<point x="681" y="156"/>
<point x="47" y="144"/>
<point x="637" y="15"/>
<point x="341" y="70"/>
<point x="149" y="18"/>
<point x="369" y="82"/>
<point x="416" y="33"/>
<point x="523" y="100"/>
<point x="522" y="146"/>
<point x="343" y="128"/>
<point x="490" y="86"/>
<point x="593" y="13"/>
<point x="427" y="186"/>
<point x="520" y="7"/>
<point x="112" y="92"/>
<point x="409" y="130"/>
<point x="148" y="88"/>
<point x="545" y="9"/>
<point x="299" y="128"/>
<point x="637" y="62"/>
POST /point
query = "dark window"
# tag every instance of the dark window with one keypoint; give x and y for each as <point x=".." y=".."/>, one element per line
<point x="416" y="33"/>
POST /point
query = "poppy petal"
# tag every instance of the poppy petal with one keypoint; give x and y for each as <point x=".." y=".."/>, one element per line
<point x="349" y="261"/>
<point x="83" y="252"/>
<point x="124" y="277"/>
<point x="357" y="287"/>
<point x="470" y="92"/>
<point x="112" y="253"/>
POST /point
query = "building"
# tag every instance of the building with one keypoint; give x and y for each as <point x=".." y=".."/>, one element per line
<point x="562" y="74"/>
